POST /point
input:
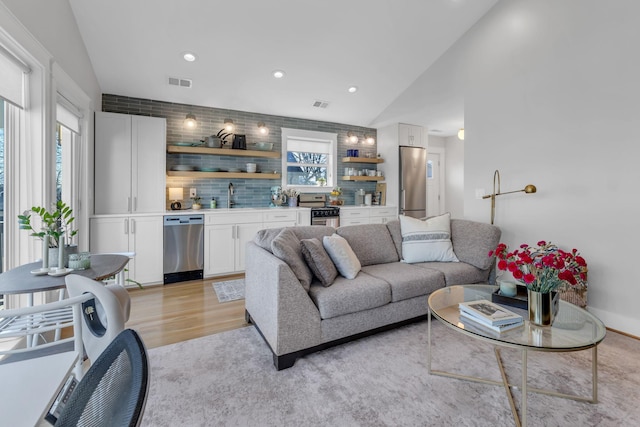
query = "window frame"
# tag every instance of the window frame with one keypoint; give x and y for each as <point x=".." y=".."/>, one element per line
<point x="311" y="136"/>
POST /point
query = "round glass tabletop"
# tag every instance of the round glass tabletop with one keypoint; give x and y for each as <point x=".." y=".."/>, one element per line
<point x="573" y="328"/>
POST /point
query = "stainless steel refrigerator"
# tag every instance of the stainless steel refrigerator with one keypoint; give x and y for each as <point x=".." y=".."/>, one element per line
<point x="413" y="181"/>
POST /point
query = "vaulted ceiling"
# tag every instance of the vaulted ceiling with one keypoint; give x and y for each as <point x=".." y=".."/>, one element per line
<point x="324" y="47"/>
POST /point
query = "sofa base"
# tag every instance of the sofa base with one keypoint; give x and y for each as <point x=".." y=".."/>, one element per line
<point x="288" y="360"/>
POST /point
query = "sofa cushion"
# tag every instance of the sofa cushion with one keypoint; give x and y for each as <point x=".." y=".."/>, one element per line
<point x="350" y="296"/>
<point x="286" y="246"/>
<point x="406" y="280"/>
<point x="342" y="255"/>
<point x="319" y="261"/>
<point x="457" y="273"/>
<point x="371" y="243"/>
<point x="311" y="231"/>
<point x="472" y="241"/>
<point x="428" y="240"/>
<point x="263" y="238"/>
<point x="396" y="234"/>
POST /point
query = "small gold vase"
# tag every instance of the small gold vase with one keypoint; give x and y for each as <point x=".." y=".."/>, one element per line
<point x="543" y="307"/>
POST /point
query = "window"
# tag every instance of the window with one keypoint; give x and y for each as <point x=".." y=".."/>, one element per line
<point x="309" y="160"/>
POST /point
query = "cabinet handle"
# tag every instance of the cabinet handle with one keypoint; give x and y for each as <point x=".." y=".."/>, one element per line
<point x="133" y="226"/>
<point x="135" y="204"/>
<point x="126" y="226"/>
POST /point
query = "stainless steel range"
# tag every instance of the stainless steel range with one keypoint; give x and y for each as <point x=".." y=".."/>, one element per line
<point x="320" y="214"/>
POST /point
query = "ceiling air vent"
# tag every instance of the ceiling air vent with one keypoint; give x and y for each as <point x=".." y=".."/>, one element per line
<point x="321" y="104"/>
<point x="175" y="81"/>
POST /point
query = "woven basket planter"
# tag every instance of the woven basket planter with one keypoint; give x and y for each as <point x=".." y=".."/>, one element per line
<point x="574" y="294"/>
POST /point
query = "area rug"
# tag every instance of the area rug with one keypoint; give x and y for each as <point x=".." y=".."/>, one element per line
<point x="228" y="379"/>
<point x="229" y="290"/>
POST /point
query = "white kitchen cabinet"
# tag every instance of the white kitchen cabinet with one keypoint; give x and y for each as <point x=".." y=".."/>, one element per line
<point x="411" y="135"/>
<point x="225" y="239"/>
<point x="140" y="234"/>
<point x="303" y="217"/>
<point x="382" y="215"/>
<point x="130" y="163"/>
<point x="354" y="216"/>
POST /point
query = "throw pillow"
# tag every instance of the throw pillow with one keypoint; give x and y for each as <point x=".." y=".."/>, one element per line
<point x="286" y="246"/>
<point x="424" y="241"/>
<point x="342" y="255"/>
<point x="319" y="261"/>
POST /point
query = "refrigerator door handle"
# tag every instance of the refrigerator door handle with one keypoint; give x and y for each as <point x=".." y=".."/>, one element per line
<point x="402" y="201"/>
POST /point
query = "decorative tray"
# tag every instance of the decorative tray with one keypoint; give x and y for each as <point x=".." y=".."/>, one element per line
<point x="520" y="300"/>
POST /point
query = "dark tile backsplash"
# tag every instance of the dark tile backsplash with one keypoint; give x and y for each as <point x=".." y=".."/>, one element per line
<point x="248" y="192"/>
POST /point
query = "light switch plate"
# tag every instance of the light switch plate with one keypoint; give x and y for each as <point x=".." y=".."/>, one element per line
<point x="192" y="192"/>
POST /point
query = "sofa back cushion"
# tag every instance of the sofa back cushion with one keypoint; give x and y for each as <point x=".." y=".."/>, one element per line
<point x="396" y="234"/>
<point x="313" y="231"/>
<point x="372" y="243"/>
<point x="263" y="238"/>
<point x="286" y="246"/>
<point x="473" y="240"/>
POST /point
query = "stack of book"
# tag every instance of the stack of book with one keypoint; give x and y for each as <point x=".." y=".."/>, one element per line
<point x="489" y="315"/>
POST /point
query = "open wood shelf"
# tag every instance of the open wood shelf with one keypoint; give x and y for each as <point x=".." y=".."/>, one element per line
<point x="176" y="149"/>
<point x="362" y="178"/>
<point x="225" y="175"/>
<point x="362" y="160"/>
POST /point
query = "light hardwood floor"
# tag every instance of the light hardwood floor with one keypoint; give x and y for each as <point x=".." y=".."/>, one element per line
<point x="166" y="314"/>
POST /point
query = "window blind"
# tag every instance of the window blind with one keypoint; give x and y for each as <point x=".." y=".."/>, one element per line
<point x="12" y="78"/>
<point x="68" y="114"/>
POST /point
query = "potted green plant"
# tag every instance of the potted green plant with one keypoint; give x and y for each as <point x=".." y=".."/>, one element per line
<point x="54" y="224"/>
<point x="196" y="203"/>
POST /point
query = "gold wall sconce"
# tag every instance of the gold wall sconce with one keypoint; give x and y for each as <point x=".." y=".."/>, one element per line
<point x="228" y="125"/>
<point x="263" y="129"/>
<point x="529" y="189"/>
<point x="461" y="134"/>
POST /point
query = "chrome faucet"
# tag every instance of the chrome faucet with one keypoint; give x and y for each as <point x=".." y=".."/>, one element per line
<point x="230" y="193"/>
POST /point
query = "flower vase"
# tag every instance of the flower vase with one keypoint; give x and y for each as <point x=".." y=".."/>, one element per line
<point x="53" y="255"/>
<point x="292" y="201"/>
<point x="543" y="307"/>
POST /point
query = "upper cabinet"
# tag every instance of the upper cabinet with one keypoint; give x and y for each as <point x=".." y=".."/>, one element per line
<point x="411" y="135"/>
<point x="129" y="164"/>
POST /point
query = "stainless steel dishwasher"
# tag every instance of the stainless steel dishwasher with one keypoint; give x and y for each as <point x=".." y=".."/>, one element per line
<point x="183" y="247"/>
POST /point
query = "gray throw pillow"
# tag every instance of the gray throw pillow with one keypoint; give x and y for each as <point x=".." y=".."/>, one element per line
<point x="319" y="261"/>
<point x="342" y="255"/>
<point x="286" y="246"/>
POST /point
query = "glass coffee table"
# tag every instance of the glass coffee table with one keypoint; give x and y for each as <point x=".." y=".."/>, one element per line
<point x="573" y="329"/>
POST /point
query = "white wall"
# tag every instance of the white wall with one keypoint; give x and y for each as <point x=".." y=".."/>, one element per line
<point x="551" y="98"/>
<point x="53" y="24"/>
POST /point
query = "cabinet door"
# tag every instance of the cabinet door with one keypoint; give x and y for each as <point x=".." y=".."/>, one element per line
<point x="113" y="163"/>
<point x="244" y="234"/>
<point x="410" y="135"/>
<point x="304" y="217"/>
<point x="219" y="249"/>
<point x="109" y="235"/>
<point x="148" y="158"/>
<point x="146" y="238"/>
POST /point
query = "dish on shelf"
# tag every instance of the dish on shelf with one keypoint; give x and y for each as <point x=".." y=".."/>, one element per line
<point x="205" y="169"/>
<point x="263" y="146"/>
<point x="235" y="170"/>
<point x="183" y="144"/>
<point x="183" y="168"/>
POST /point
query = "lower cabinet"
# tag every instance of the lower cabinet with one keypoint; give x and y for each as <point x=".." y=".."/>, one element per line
<point x="354" y="216"/>
<point x="139" y="234"/>
<point x="382" y="215"/>
<point x="367" y="215"/>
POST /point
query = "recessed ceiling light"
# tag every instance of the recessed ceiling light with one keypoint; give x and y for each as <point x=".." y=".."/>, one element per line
<point x="353" y="89"/>
<point x="189" y="57"/>
<point x="278" y="74"/>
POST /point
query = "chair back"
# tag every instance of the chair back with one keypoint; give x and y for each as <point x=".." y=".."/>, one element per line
<point x="113" y="392"/>
<point x="103" y="317"/>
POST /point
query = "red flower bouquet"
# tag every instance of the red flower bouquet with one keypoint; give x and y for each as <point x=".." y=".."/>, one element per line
<point x="543" y="268"/>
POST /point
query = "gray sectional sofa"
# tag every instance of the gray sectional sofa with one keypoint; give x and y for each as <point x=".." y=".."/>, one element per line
<point x="297" y="315"/>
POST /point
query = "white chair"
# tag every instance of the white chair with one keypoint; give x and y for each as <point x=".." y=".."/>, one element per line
<point x="104" y="316"/>
<point x="17" y="326"/>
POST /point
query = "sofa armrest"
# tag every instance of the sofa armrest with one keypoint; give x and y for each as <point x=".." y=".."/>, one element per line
<point x="278" y="304"/>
